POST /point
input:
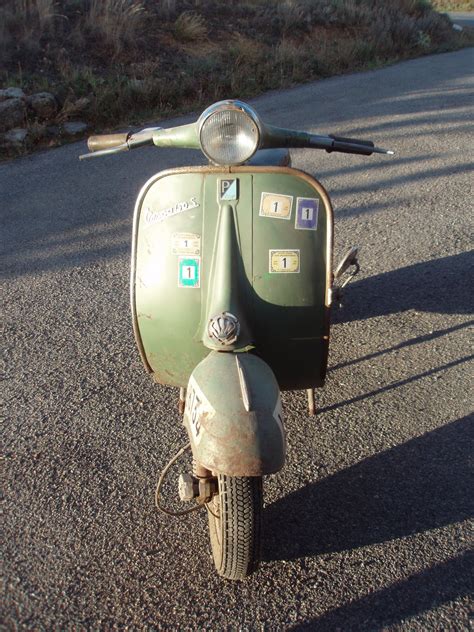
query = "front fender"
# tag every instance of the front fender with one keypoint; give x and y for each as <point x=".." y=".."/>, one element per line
<point x="233" y="415"/>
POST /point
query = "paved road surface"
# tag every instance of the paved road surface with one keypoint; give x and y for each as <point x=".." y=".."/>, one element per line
<point x="367" y="527"/>
<point x="463" y="19"/>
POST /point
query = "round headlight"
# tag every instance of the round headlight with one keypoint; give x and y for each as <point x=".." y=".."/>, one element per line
<point x="229" y="132"/>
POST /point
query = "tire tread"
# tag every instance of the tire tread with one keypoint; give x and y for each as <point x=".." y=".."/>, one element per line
<point x="237" y="554"/>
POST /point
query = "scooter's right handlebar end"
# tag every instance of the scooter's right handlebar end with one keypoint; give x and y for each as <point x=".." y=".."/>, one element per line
<point x="380" y="150"/>
<point x="106" y="141"/>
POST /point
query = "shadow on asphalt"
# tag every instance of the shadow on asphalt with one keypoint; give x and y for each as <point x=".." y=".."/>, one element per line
<point x="439" y="286"/>
<point x="399" y="181"/>
<point x="403" y="600"/>
<point x="422" y="484"/>
<point x="439" y="333"/>
<point x="421" y="106"/>
<point x="62" y="228"/>
<point x="394" y="385"/>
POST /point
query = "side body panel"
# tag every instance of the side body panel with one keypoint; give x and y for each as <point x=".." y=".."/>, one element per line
<point x="275" y="225"/>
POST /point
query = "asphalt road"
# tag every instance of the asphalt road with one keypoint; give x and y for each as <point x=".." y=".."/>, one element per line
<point x="368" y="525"/>
<point x="465" y="18"/>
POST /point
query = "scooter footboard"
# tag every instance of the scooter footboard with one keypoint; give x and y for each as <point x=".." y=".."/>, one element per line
<point x="233" y="415"/>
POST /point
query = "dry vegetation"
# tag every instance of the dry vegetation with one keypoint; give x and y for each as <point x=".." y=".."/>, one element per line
<point x="116" y="61"/>
<point x="453" y="5"/>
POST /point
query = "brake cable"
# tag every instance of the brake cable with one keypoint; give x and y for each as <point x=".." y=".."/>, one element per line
<point x="169" y="512"/>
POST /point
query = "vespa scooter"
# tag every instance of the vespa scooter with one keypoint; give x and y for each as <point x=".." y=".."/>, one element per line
<point x="231" y="290"/>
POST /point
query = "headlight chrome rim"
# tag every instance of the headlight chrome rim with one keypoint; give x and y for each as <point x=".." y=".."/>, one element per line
<point x="231" y="106"/>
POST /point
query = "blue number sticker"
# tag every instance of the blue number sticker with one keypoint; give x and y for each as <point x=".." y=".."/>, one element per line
<point x="188" y="275"/>
<point x="307" y="213"/>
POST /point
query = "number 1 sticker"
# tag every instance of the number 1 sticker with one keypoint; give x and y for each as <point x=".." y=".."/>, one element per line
<point x="307" y="213"/>
<point x="188" y="275"/>
<point x="284" y="261"/>
<point x="276" y="205"/>
<point x="186" y="244"/>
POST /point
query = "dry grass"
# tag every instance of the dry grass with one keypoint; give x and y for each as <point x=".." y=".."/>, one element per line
<point x="119" y="22"/>
<point x="72" y="108"/>
<point x="189" y="27"/>
<point x="42" y="10"/>
<point x="453" y="5"/>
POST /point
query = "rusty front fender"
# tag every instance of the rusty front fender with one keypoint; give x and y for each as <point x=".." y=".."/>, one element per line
<point x="233" y="415"/>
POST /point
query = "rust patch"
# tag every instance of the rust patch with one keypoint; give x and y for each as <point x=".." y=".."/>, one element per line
<point x="235" y="451"/>
<point x="237" y="465"/>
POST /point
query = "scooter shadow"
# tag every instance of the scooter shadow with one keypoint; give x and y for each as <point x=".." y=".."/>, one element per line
<point x="423" y="484"/>
<point x="440" y="285"/>
<point x="400" y="601"/>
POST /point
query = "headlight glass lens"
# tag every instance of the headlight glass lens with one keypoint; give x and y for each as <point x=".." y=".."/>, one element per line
<point x="229" y="136"/>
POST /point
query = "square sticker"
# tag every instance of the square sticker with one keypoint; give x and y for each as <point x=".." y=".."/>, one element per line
<point x="189" y="272"/>
<point x="307" y="210"/>
<point x="284" y="261"/>
<point x="186" y="244"/>
<point x="276" y="205"/>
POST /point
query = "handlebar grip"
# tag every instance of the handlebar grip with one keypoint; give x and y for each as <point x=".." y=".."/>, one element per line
<point x="342" y="139"/>
<point x="107" y="141"/>
<point x="346" y="145"/>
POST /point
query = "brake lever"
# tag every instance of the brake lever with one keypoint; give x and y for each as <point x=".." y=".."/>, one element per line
<point x="105" y="152"/>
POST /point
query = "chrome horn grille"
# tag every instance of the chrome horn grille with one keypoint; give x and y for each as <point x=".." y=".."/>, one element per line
<point x="224" y="328"/>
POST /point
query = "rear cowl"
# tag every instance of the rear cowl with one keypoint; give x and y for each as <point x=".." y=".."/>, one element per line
<point x="233" y="415"/>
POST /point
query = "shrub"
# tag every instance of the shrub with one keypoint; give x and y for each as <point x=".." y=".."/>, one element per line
<point x="190" y="27"/>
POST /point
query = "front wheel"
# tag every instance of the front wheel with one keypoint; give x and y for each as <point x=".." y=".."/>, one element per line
<point x="235" y="517"/>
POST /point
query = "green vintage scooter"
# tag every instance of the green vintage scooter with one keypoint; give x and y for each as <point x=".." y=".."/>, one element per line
<point x="231" y="289"/>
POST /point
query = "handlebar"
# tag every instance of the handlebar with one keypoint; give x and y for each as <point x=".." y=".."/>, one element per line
<point x="280" y="137"/>
<point x="188" y="137"/>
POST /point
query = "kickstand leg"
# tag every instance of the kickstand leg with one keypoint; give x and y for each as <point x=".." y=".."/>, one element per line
<point x="311" y="403"/>
<point x="182" y="400"/>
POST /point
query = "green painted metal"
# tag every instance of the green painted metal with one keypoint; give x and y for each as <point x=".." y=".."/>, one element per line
<point x="284" y="315"/>
<point x="228" y="287"/>
<point x="282" y="137"/>
<point x="184" y="136"/>
<point x="233" y="415"/>
<point x="187" y="136"/>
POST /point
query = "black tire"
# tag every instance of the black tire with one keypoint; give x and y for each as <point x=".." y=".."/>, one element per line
<point x="235" y="518"/>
